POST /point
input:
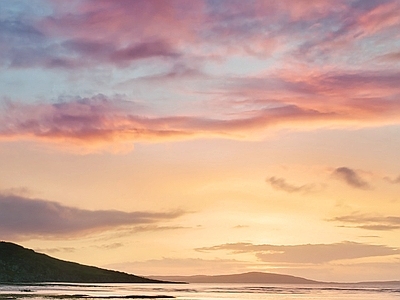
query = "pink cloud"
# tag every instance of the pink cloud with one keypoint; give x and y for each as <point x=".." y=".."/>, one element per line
<point x="188" y="34"/>
<point x="302" y="9"/>
<point x="382" y="17"/>
<point x="200" y="28"/>
<point x="103" y="120"/>
<point x="340" y="32"/>
<point x="123" y="22"/>
<point x="391" y="57"/>
<point x="100" y="121"/>
<point x="354" y="96"/>
<point x="86" y="33"/>
<point x="81" y="34"/>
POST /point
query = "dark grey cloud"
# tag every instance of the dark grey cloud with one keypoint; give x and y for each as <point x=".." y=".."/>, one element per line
<point x="307" y="254"/>
<point x="25" y="217"/>
<point x="282" y="185"/>
<point x="370" y="222"/>
<point x="351" y="177"/>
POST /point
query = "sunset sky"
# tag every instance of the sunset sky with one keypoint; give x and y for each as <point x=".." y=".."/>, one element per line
<point x="169" y="137"/>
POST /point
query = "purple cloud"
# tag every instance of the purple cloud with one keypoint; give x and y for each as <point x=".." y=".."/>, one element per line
<point x="22" y="217"/>
<point x="351" y="177"/>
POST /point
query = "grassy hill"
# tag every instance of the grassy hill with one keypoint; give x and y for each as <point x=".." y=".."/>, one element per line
<point x="21" y="265"/>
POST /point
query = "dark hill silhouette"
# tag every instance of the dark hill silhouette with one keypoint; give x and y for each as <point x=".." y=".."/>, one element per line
<point x="19" y="265"/>
<point x="251" y="277"/>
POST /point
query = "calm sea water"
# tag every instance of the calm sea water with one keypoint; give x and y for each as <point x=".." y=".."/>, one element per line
<point x="198" y="291"/>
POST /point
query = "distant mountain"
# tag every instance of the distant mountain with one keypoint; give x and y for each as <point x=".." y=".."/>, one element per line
<point x="266" y="278"/>
<point x="251" y="277"/>
<point x="19" y="265"/>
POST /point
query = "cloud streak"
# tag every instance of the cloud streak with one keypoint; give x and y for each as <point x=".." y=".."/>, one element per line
<point x="282" y="185"/>
<point x="22" y="217"/>
<point x="393" y="181"/>
<point x="370" y="222"/>
<point x="99" y="121"/>
<point x="306" y="254"/>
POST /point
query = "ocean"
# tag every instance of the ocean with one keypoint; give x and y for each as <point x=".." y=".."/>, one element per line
<point x="196" y="291"/>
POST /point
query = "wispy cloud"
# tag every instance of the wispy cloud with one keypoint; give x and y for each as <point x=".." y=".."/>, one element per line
<point x="113" y="30"/>
<point x="99" y="121"/>
<point x="393" y="180"/>
<point x="240" y="226"/>
<point x="369" y="222"/>
<point x="391" y="57"/>
<point x="351" y="177"/>
<point x="307" y="254"/>
<point x="282" y="185"/>
<point x="191" y="41"/>
<point x="86" y="53"/>
<point x="110" y="246"/>
<point x="56" y="250"/>
<point x="22" y="217"/>
<point x="89" y="34"/>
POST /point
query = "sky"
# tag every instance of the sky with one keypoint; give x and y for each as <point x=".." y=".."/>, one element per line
<point x="184" y="137"/>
